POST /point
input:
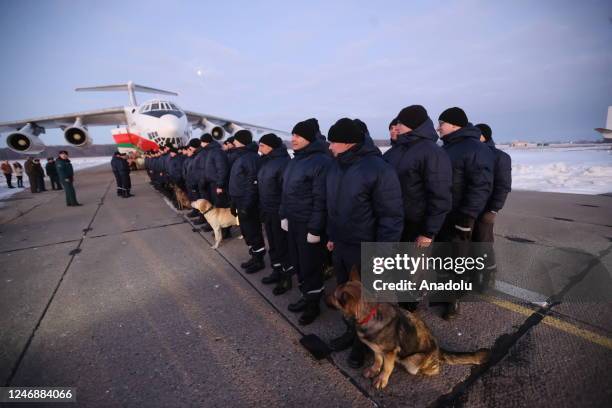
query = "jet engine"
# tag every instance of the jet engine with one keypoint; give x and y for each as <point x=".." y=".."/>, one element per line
<point x="77" y="135"/>
<point x="26" y="140"/>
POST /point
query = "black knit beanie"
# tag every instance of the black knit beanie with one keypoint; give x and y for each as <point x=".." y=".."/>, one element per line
<point x="206" y="138"/>
<point x="485" y="130"/>
<point x="454" y="116"/>
<point x="412" y="116"/>
<point x="244" y="136"/>
<point x="307" y="129"/>
<point x="195" y="143"/>
<point x="345" y="130"/>
<point x="270" y="139"/>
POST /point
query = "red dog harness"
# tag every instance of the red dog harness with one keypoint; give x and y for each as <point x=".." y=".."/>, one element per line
<point x="369" y="317"/>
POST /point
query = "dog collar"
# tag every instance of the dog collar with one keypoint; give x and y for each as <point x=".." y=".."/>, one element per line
<point x="209" y="210"/>
<point x="369" y="317"/>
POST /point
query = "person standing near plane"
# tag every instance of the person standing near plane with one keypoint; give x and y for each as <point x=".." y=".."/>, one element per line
<point x="32" y="176"/>
<point x="274" y="160"/>
<point x="52" y="174"/>
<point x="425" y="175"/>
<point x="66" y="176"/>
<point x="244" y="195"/>
<point x="18" y="173"/>
<point x="40" y="174"/>
<point x="124" y="175"/>
<point x="115" y="165"/>
<point x="472" y="165"/>
<point x="364" y="204"/>
<point x="502" y="185"/>
<point x="8" y="173"/>
<point x="303" y="216"/>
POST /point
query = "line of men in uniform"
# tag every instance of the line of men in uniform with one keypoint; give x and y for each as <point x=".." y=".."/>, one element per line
<point x="336" y="193"/>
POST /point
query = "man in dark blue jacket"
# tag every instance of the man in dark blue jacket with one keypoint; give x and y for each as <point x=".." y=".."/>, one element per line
<point x="124" y="176"/>
<point x="228" y="148"/>
<point x="364" y="204"/>
<point x="244" y="195"/>
<point x="502" y="185"/>
<point x="115" y="165"/>
<point x="273" y="161"/>
<point x="191" y="175"/>
<point x="198" y="174"/>
<point x="216" y="172"/>
<point x="425" y="174"/>
<point x="472" y="164"/>
<point x="303" y="215"/>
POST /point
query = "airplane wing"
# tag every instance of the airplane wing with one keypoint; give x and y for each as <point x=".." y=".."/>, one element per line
<point x="98" y="117"/>
<point x="194" y="118"/>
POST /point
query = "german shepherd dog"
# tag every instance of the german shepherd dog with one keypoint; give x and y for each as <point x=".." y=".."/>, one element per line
<point x="394" y="335"/>
<point x="217" y="218"/>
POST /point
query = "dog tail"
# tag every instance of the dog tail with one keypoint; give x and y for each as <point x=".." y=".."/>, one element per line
<point x="477" y="357"/>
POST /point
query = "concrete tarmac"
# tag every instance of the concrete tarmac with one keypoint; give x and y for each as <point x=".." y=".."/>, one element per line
<point x="121" y="299"/>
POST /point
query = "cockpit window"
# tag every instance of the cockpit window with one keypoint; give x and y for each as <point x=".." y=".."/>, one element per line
<point x="160" y="108"/>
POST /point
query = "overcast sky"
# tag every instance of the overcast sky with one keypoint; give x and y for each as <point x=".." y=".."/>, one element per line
<point x="535" y="70"/>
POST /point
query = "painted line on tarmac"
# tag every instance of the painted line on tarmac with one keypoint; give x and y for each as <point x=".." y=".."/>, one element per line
<point x="527" y="295"/>
<point x="554" y="322"/>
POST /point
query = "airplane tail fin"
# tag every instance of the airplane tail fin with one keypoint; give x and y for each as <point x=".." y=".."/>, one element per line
<point x="130" y="87"/>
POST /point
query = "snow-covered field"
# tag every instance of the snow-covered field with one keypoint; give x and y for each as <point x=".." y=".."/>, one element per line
<point x="78" y="163"/>
<point x="580" y="170"/>
<point x="563" y="170"/>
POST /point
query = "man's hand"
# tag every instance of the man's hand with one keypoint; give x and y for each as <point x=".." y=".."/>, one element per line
<point x="219" y="190"/>
<point x="423" y="241"/>
<point x="67" y="180"/>
<point x="330" y="246"/>
<point x="285" y="224"/>
<point x="313" y="239"/>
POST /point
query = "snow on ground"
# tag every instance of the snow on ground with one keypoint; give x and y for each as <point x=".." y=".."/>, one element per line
<point x="563" y="170"/>
<point x="78" y="163"/>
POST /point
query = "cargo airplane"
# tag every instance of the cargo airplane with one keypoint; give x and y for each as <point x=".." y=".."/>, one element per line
<point x="139" y="127"/>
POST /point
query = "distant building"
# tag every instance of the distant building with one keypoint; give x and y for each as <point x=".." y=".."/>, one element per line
<point x="522" y="144"/>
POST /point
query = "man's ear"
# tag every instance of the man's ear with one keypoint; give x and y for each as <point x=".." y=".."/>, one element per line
<point x="355" y="275"/>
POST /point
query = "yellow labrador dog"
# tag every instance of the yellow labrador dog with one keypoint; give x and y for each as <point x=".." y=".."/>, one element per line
<point x="217" y="218"/>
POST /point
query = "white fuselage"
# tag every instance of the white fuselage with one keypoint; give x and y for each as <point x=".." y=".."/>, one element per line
<point x="157" y="121"/>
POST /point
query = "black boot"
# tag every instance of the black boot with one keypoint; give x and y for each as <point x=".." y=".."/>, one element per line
<point x="119" y="192"/>
<point x="127" y="193"/>
<point x="248" y="263"/>
<point x="258" y="263"/>
<point x="284" y="284"/>
<point x="273" y="277"/>
<point x="452" y="310"/>
<point x="193" y="214"/>
<point x="357" y="355"/>
<point x="298" y="306"/>
<point x="206" y="227"/>
<point x="311" y="312"/>
<point x="346" y="339"/>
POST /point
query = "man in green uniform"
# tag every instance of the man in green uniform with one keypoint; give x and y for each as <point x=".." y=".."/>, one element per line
<point x="66" y="176"/>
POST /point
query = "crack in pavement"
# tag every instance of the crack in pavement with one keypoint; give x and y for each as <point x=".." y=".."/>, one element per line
<point x="74" y="252"/>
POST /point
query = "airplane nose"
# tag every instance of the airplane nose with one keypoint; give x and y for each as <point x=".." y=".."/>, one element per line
<point x="171" y="126"/>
